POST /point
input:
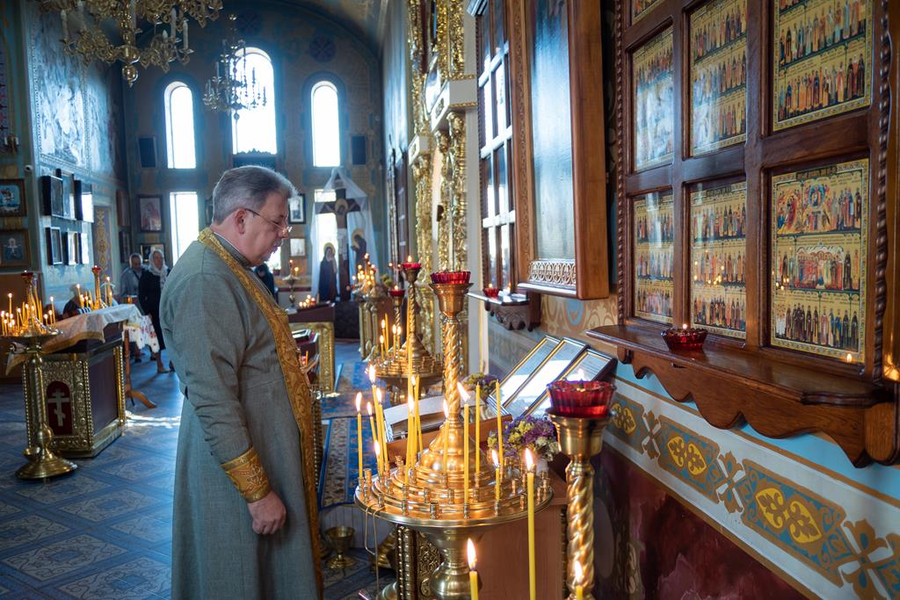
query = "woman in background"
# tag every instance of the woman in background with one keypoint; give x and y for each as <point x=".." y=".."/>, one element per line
<point x="149" y="293"/>
<point x="328" y="276"/>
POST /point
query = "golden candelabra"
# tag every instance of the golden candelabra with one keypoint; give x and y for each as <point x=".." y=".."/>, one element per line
<point x="111" y="31"/>
<point x="28" y="327"/>
<point x="398" y="364"/>
<point x="580" y="438"/>
<point x="433" y="496"/>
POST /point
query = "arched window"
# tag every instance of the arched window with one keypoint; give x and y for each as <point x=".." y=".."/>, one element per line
<point x="253" y="129"/>
<point x="326" y="129"/>
<point x="179" y="101"/>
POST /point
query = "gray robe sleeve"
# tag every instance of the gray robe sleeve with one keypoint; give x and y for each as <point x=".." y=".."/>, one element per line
<point x="209" y="329"/>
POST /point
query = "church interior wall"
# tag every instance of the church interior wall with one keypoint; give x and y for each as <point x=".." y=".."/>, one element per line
<point x="684" y="509"/>
<point x="66" y="116"/>
<point x="294" y="38"/>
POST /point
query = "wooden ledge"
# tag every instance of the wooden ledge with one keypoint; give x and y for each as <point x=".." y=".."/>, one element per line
<point x="778" y="400"/>
<point x="513" y="311"/>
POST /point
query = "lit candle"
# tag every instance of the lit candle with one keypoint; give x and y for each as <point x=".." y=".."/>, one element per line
<point x="496" y="476"/>
<point x="579" y="586"/>
<point x="359" y="429"/>
<point x="378" y="459"/>
<point x="473" y="574"/>
<point x="410" y="437"/>
<point x="372" y="427"/>
<point x="464" y="398"/>
<point x="10" y="302"/>
<point x="378" y="409"/>
<point x="381" y="346"/>
<point x="529" y="466"/>
<point x="382" y="435"/>
<point x="499" y="422"/>
<point x="477" y="430"/>
<point x="80" y="297"/>
<point x="849" y="358"/>
<point x="52" y="311"/>
<point x="446" y="435"/>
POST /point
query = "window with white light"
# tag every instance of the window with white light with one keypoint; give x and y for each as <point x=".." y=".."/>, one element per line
<point x="185" y="215"/>
<point x="326" y="128"/>
<point x="179" y="105"/>
<point x="253" y="129"/>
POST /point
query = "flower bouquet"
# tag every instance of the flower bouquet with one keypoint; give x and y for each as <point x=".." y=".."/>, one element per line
<point x="537" y="433"/>
<point x="485" y="381"/>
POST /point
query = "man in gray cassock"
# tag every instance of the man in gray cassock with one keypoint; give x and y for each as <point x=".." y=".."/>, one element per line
<point x="245" y="524"/>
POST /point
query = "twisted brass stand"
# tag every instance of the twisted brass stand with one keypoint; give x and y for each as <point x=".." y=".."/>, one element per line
<point x="580" y="439"/>
<point x="429" y="496"/>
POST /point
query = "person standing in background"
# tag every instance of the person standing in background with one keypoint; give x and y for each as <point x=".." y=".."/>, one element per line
<point x="149" y="293"/>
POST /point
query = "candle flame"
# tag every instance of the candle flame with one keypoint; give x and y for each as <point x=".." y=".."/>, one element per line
<point x="414" y="379"/>
<point x="446" y="410"/>
<point x="684" y="326"/>
<point x="381" y="337"/>
<point x="370" y="371"/>
<point x="410" y="404"/>
<point x="377" y="449"/>
<point x="463" y="394"/>
<point x="378" y="395"/>
<point x="358" y="400"/>
<point x="470" y="551"/>
<point x="369" y="408"/>
<point x="849" y="357"/>
<point x="529" y="460"/>
<point x="409" y="258"/>
<point x="580" y="375"/>
<point x="495" y="459"/>
<point x="578" y="572"/>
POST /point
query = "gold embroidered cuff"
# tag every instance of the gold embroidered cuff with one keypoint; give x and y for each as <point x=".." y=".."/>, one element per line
<point x="248" y="476"/>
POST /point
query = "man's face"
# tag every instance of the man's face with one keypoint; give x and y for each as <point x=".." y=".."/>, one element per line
<point x="264" y="232"/>
<point x="135" y="263"/>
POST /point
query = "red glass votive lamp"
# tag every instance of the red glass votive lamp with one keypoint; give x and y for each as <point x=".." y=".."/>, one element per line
<point x="409" y="264"/>
<point x="581" y="399"/>
<point x="491" y="292"/>
<point x="450" y="277"/>
<point x="686" y="338"/>
<point x="397" y="292"/>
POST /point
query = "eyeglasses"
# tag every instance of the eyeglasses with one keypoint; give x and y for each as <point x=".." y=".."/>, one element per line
<point x="281" y="229"/>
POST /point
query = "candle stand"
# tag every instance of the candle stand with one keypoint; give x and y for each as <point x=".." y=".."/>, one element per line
<point x="580" y="439"/>
<point x="429" y="496"/>
<point x="395" y="369"/>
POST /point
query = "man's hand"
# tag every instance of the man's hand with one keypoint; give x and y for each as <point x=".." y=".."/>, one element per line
<point x="268" y="514"/>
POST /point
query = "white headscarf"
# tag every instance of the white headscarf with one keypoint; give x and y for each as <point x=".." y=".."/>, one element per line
<point x="161" y="273"/>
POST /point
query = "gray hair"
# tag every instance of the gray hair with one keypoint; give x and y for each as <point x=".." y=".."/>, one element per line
<point x="135" y="255"/>
<point x="247" y="187"/>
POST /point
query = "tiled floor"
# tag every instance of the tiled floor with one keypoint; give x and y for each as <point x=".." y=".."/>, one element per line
<point x="105" y="531"/>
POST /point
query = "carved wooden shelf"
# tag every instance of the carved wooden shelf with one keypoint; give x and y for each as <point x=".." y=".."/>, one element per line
<point x="778" y="400"/>
<point x="513" y="311"/>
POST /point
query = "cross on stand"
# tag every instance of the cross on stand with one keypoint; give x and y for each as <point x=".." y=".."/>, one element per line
<point x="58" y="399"/>
<point x="340" y="207"/>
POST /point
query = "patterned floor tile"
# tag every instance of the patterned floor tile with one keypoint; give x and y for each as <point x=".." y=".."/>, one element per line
<point x="151" y="528"/>
<point x="62" y="557"/>
<point x="166" y="482"/>
<point x="8" y="509"/>
<point x="109" y="505"/>
<point x="27" y="529"/>
<point x="141" y="469"/>
<point x="141" y="578"/>
<point x="57" y="490"/>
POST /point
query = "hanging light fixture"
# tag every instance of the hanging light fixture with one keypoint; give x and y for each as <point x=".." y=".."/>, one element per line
<point x="109" y="30"/>
<point x="230" y="89"/>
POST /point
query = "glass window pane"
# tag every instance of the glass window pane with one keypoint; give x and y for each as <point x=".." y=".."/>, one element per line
<point x="491" y="200"/>
<point x="325" y="126"/>
<point x="505" y="256"/>
<point x="500" y="83"/>
<point x="502" y="190"/>
<point x="499" y="25"/>
<point x="493" y="266"/>
<point x="488" y="112"/>
<point x="185" y="215"/>
<point x="253" y="129"/>
<point x="324" y="195"/>
<point x="179" y="105"/>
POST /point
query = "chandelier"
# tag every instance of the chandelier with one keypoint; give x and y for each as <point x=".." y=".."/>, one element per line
<point x="231" y="89"/>
<point x="109" y="30"/>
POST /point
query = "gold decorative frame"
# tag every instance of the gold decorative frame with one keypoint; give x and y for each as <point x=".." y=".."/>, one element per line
<point x="326" y="351"/>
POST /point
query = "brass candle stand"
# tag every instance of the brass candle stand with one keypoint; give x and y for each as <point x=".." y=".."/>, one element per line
<point x="580" y="438"/>
<point x="395" y="369"/>
<point x="31" y="332"/>
<point x="291" y="279"/>
<point x="430" y="496"/>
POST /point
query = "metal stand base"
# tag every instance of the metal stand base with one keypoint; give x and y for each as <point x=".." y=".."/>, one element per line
<point x="44" y="464"/>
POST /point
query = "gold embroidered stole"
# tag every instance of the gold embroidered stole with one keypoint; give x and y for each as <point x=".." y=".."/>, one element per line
<point x="294" y="378"/>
